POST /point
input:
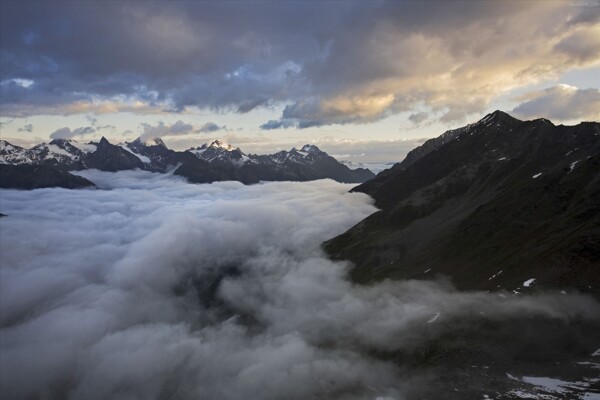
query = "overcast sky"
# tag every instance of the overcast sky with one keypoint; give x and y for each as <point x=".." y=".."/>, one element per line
<point x="364" y="80"/>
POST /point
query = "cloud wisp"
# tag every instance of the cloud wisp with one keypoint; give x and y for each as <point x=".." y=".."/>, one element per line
<point x="67" y="133"/>
<point x="179" y="128"/>
<point x="209" y="127"/>
<point x="26" y="128"/>
<point x="154" y="288"/>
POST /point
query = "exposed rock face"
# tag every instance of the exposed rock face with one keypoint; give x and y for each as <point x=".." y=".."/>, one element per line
<point x="308" y="163"/>
<point x="502" y="202"/>
<point x="216" y="161"/>
<point x="28" y="176"/>
<point x="110" y="157"/>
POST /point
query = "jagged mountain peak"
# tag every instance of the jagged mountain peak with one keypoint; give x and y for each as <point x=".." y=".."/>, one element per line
<point x="5" y="144"/>
<point x="219" y="144"/>
<point x="521" y="197"/>
<point x="67" y="145"/>
<point x="306" y="149"/>
<point x="497" y="117"/>
<point x="221" y="152"/>
<point x="543" y="121"/>
<point x="61" y="140"/>
<point x="159" y="142"/>
<point x="497" y="120"/>
<point x="310" y="148"/>
<point x="149" y="142"/>
<point x="213" y="161"/>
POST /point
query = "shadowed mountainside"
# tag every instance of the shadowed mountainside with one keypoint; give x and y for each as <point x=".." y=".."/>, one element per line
<point x="499" y="204"/>
<point x="39" y="176"/>
<point x="208" y="163"/>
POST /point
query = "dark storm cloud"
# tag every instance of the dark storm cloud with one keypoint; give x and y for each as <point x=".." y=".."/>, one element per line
<point x="181" y="52"/>
<point x="330" y="62"/>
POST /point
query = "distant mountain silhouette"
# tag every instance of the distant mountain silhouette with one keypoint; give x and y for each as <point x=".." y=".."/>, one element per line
<point x="212" y="162"/>
<point x="28" y="176"/>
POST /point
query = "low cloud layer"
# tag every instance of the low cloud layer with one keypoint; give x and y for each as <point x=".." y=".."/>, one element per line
<point x="561" y="103"/>
<point x="149" y="287"/>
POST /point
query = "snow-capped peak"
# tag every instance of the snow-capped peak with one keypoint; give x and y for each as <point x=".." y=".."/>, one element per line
<point x="308" y="147"/>
<point x="4" y="145"/>
<point x="218" y="150"/>
<point x="61" y="140"/>
<point x="159" y="142"/>
<point x="11" y="154"/>
<point x="151" y="142"/>
<point x="72" y="145"/>
<point x="218" y="144"/>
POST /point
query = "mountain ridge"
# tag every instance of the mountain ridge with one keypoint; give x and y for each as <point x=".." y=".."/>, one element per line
<point x="31" y="176"/>
<point x="501" y="202"/>
<point x="215" y="161"/>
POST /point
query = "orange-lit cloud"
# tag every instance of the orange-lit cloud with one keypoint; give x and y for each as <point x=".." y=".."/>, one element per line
<point x="320" y="63"/>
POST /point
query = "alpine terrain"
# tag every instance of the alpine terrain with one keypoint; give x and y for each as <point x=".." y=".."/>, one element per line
<point x="498" y="204"/>
<point x="215" y="161"/>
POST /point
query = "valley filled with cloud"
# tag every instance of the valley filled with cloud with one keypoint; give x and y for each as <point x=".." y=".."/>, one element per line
<point x="150" y="287"/>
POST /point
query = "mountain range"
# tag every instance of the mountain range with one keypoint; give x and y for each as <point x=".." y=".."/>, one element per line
<point x="216" y="161"/>
<point x="501" y="204"/>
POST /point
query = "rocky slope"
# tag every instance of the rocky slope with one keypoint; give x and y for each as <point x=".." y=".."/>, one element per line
<point x="28" y="176"/>
<point x="504" y="204"/>
<point x="305" y="164"/>
<point x="216" y="161"/>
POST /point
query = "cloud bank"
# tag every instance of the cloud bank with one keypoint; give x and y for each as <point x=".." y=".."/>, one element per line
<point x="332" y="63"/>
<point x="153" y="288"/>
<point x="561" y="102"/>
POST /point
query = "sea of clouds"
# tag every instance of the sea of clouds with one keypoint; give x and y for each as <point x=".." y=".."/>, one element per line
<point x="151" y="288"/>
